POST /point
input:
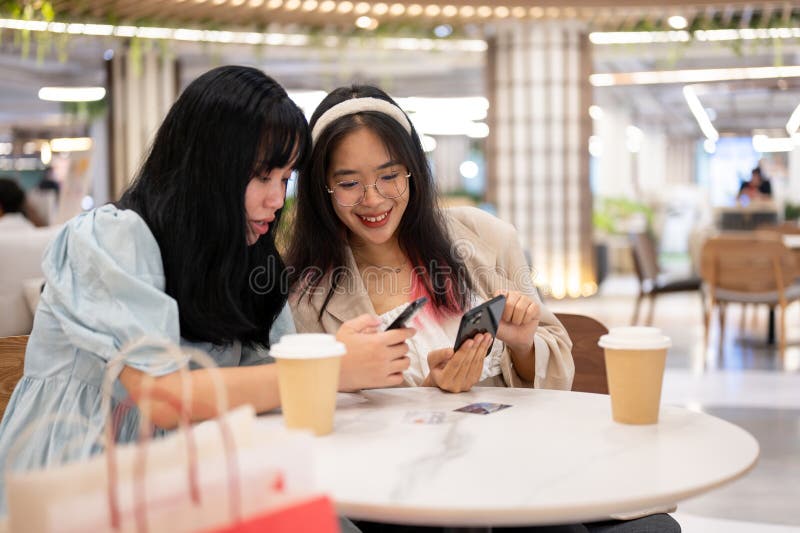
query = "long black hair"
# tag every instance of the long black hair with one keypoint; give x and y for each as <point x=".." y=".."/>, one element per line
<point x="229" y="125"/>
<point x="319" y="239"/>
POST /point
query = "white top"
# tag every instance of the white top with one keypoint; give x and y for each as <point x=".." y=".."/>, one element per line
<point x="433" y="335"/>
<point x="553" y="457"/>
<point x="791" y="241"/>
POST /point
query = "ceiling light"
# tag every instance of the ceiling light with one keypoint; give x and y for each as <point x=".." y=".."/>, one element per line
<point x="537" y="12"/>
<point x="415" y="10"/>
<point x="709" y="146"/>
<point x="310" y="5"/>
<point x="793" y="124"/>
<point x="449" y="11"/>
<point x="292" y="5"/>
<point x="45" y="153"/>
<point x="362" y="8"/>
<point x="433" y="10"/>
<point x="428" y="143"/>
<point x="443" y="30"/>
<point x="764" y="144"/>
<point x="484" y="12"/>
<point x="255" y="3"/>
<point x="467" y="11"/>
<point x="366" y="23"/>
<point x="700" y="114"/>
<point x="501" y="12"/>
<point x="345" y="7"/>
<point x="327" y="6"/>
<point x="468" y="169"/>
<point x="274" y="4"/>
<point x="397" y="10"/>
<point x="596" y="112"/>
<point x="72" y="94"/>
<point x="519" y="12"/>
<point x="693" y="76"/>
<point x="677" y="22"/>
<point x="380" y="9"/>
<point x="71" y="144"/>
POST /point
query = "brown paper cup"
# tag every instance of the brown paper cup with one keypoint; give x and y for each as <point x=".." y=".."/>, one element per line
<point x="308" y="378"/>
<point x="635" y="358"/>
<point x="634" y="383"/>
<point x="308" y="392"/>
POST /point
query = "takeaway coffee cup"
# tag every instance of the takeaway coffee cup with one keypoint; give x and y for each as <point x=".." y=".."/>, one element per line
<point x="308" y="377"/>
<point x="635" y="358"/>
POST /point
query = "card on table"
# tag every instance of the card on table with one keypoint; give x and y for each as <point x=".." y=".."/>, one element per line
<point x="424" y="417"/>
<point x="482" y="408"/>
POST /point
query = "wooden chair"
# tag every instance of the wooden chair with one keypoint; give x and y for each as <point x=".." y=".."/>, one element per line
<point x="749" y="268"/>
<point x="651" y="280"/>
<point x="590" y="363"/>
<point x="12" y="361"/>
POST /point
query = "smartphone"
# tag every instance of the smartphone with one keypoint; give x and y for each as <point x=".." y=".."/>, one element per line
<point x="481" y="319"/>
<point x="408" y="312"/>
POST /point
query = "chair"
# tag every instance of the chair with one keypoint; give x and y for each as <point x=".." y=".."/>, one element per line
<point x="21" y="263"/>
<point x="590" y="363"/>
<point x="12" y="361"/>
<point x="651" y="281"/>
<point x="749" y="268"/>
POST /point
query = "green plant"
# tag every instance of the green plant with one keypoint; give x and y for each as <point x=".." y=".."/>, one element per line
<point x="613" y="215"/>
<point x="791" y="211"/>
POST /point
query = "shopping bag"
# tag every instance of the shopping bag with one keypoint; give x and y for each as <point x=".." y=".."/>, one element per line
<point x="225" y="474"/>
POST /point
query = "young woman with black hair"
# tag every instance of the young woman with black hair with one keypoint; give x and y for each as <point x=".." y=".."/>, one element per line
<point x="187" y="257"/>
<point x="369" y="237"/>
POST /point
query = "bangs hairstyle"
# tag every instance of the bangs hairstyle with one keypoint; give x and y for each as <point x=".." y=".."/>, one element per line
<point x="228" y="126"/>
<point x="319" y="238"/>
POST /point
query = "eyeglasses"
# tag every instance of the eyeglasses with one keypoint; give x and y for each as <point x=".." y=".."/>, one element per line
<point x="352" y="192"/>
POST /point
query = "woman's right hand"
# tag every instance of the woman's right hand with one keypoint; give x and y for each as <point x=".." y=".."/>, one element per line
<point x="374" y="358"/>
<point x="459" y="371"/>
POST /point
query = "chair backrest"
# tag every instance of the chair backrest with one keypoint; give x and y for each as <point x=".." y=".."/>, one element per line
<point x="590" y="363"/>
<point x="747" y="262"/>
<point x="12" y="362"/>
<point x="22" y="261"/>
<point x="645" y="255"/>
<point x="786" y="228"/>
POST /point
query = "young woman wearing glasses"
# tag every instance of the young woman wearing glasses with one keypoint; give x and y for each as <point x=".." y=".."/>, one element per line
<point x="369" y="237"/>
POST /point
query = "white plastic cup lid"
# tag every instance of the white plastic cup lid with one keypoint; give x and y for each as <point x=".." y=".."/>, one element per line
<point x="635" y="338"/>
<point x="307" y="346"/>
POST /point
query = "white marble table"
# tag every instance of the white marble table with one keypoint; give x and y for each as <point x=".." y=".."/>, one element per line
<point x="554" y="457"/>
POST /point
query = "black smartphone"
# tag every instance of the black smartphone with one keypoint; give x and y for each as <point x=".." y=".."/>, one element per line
<point x="483" y="318"/>
<point x="408" y="312"/>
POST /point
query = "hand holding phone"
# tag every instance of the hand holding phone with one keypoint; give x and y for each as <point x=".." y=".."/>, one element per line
<point x="408" y="313"/>
<point x="481" y="319"/>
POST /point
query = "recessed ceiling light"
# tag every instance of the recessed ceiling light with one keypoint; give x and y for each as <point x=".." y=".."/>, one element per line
<point x="677" y="22"/>
<point x="72" y="94"/>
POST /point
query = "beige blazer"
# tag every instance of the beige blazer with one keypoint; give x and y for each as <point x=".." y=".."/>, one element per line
<point x="491" y="251"/>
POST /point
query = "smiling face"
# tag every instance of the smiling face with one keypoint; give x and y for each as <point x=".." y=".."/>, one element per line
<point x="361" y="156"/>
<point x="264" y="196"/>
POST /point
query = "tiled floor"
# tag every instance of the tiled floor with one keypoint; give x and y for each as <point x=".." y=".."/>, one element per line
<point x="738" y="378"/>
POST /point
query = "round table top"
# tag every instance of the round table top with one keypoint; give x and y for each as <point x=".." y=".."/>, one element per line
<point x="403" y="455"/>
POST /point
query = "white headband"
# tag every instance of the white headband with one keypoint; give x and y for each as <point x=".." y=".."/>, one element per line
<point x="358" y="105"/>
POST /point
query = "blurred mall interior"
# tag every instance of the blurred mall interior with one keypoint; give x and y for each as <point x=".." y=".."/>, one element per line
<point x="618" y="137"/>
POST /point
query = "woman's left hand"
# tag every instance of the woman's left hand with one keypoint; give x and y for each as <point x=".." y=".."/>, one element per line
<point x="519" y="322"/>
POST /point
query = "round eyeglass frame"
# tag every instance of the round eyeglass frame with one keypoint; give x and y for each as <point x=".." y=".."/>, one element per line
<point x="364" y="187"/>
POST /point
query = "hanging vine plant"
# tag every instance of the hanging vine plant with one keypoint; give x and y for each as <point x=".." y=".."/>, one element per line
<point x="37" y="10"/>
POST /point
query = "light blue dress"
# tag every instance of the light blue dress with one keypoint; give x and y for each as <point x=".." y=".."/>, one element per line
<point x="104" y="288"/>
